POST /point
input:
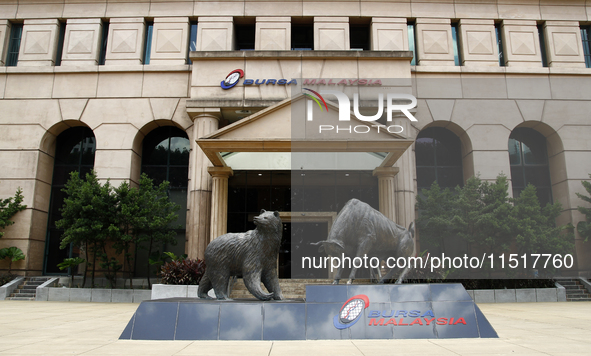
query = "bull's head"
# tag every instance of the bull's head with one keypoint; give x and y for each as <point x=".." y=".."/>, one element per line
<point x="332" y="248"/>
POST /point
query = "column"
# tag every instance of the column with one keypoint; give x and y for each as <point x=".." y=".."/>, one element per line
<point x="4" y="39"/>
<point x="170" y="41"/>
<point x="126" y="41"/>
<point x="404" y="186"/>
<point x="331" y="33"/>
<point x="199" y="204"/>
<point x="39" y="43"/>
<point x="478" y="43"/>
<point x="563" y="44"/>
<point x="434" y="42"/>
<point x="389" y="34"/>
<point x="82" y="42"/>
<point x="386" y="190"/>
<point x="273" y="34"/>
<point x="521" y="40"/>
<point x="219" y="200"/>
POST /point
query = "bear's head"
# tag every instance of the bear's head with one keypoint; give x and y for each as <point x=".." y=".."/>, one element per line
<point x="269" y="220"/>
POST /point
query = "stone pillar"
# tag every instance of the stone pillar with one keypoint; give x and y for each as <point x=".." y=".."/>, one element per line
<point x="389" y="34"/>
<point x="478" y="43"/>
<point x="39" y="43"/>
<point x="170" y="41"/>
<point x="522" y="43"/>
<point x="215" y="34"/>
<point x="405" y="180"/>
<point x="434" y="42"/>
<point x="386" y="190"/>
<point x="126" y="41"/>
<point x="219" y="200"/>
<point x="4" y="38"/>
<point x="82" y="42"/>
<point x="273" y="34"/>
<point x="331" y="33"/>
<point x="564" y="46"/>
<point x="199" y="204"/>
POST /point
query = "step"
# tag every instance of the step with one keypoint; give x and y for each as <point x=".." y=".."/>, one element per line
<point x="23" y="295"/>
<point x="19" y="298"/>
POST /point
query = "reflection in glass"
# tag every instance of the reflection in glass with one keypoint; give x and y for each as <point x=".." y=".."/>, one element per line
<point x="438" y="153"/>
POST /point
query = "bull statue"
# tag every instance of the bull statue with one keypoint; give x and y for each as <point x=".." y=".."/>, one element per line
<point x="359" y="230"/>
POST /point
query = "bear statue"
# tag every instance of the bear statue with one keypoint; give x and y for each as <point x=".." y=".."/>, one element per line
<point x="252" y="255"/>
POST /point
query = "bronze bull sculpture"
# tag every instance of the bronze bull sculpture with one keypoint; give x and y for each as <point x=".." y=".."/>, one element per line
<point x="359" y="230"/>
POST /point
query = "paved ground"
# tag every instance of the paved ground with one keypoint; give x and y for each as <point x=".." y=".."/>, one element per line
<point x="56" y="328"/>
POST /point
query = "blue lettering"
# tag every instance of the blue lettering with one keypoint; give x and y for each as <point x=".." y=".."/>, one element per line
<point x="374" y="314"/>
<point x="271" y="81"/>
<point x="248" y="82"/>
<point x="388" y="316"/>
<point x="428" y="313"/>
<point x="293" y="81"/>
<point x="414" y="313"/>
<point x="282" y="81"/>
<point x="401" y="312"/>
<point x="257" y="82"/>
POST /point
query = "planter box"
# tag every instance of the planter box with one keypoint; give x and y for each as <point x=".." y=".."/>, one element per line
<point x="93" y="295"/>
<point x="162" y="291"/>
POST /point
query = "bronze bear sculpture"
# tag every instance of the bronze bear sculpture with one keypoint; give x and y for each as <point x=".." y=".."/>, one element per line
<point x="252" y="255"/>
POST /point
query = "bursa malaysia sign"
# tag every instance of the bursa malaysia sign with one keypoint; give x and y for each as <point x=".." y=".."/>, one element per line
<point x="352" y="311"/>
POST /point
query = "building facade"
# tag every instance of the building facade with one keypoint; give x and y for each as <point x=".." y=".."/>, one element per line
<point x="125" y="87"/>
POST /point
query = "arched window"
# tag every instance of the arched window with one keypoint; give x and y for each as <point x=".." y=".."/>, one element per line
<point x="529" y="163"/>
<point x="438" y="154"/>
<point x="74" y="152"/>
<point x="165" y="156"/>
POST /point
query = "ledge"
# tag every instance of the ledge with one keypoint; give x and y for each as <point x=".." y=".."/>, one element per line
<point x="208" y="55"/>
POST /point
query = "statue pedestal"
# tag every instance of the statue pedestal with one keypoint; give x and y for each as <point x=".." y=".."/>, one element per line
<point x="410" y="311"/>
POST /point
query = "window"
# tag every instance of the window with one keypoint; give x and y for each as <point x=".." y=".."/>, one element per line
<point x="359" y="37"/>
<point x="302" y="37"/>
<point x="74" y="152"/>
<point x="14" y="44"/>
<point x="528" y="156"/>
<point x="165" y="156"/>
<point x="104" y="39"/>
<point x="60" y="44"/>
<point x="542" y="37"/>
<point x="500" y="44"/>
<point x="192" y="40"/>
<point x="412" y="41"/>
<point x="438" y="154"/>
<point x="148" y="42"/>
<point x="245" y="34"/>
<point x="456" y="44"/>
<point x="585" y="36"/>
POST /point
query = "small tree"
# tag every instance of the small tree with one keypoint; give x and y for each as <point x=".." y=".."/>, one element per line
<point x="156" y="216"/>
<point x="88" y="219"/>
<point x="9" y="207"/>
<point x="535" y="227"/>
<point x="128" y="218"/>
<point x="70" y="264"/>
<point x="13" y="254"/>
<point x="584" y="227"/>
<point x="435" y="214"/>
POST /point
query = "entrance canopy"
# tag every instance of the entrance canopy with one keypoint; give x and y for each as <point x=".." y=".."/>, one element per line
<point x="272" y="130"/>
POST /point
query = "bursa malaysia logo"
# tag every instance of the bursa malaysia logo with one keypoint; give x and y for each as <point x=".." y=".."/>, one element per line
<point x="352" y="311"/>
<point x="234" y="77"/>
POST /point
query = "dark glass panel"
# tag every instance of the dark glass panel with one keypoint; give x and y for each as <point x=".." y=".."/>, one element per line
<point x="157" y="174"/>
<point x="537" y="176"/>
<point x="178" y="177"/>
<point x="302" y="37"/>
<point x="89" y="147"/>
<point x="425" y="177"/>
<point x="449" y="177"/>
<point x="517" y="177"/>
<point x="156" y="153"/>
<point x="544" y="196"/>
<point x="179" y="151"/>
<point x="425" y="151"/>
<point x="179" y="196"/>
<point x="514" y="152"/>
<point x="237" y="192"/>
<point x="236" y="222"/>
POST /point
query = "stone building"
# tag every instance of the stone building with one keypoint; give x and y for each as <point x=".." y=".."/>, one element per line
<point x="126" y="87"/>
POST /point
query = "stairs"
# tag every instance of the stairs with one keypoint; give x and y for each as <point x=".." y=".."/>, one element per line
<point x="575" y="290"/>
<point x="291" y="288"/>
<point x="28" y="289"/>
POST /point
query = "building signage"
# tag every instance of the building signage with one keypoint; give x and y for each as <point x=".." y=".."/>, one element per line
<point x="352" y="311"/>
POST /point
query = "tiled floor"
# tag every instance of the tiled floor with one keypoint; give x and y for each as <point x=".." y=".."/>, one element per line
<point x="56" y="328"/>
